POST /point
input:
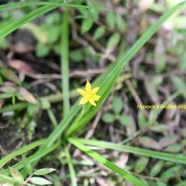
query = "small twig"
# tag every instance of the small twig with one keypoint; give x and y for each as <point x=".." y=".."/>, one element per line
<point x="135" y="95"/>
<point x="94" y="125"/>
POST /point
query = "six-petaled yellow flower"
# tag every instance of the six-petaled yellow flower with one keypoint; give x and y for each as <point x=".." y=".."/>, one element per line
<point x="89" y="95"/>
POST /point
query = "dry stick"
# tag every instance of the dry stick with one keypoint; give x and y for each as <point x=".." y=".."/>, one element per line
<point x="94" y="125"/>
<point x="135" y="95"/>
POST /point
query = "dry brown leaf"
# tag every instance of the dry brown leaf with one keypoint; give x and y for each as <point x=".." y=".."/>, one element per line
<point x="149" y="143"/>
<point x="168" y="140"/>
<point x="7" y="85"/>
<point x="20" y="66"/>
<point x="123" y="159"/>
<point x="27" y="96"/>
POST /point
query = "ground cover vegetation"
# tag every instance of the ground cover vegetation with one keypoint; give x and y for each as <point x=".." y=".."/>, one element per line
<point x="93" y="93"/>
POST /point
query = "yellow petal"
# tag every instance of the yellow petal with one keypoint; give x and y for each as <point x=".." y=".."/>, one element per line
<point x="82" y="92"/>
<point x="95" y="90"/>
<point x="92" y="102"/>
<point x="96" y="97"/>
<point x="83" y="101"/>
<point x="88" y="86"/>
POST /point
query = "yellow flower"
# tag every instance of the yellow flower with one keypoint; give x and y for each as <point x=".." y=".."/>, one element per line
<point x="89" y="95"/>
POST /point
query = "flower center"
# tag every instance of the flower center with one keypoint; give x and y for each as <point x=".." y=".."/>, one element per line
<point x="89" y="95"/>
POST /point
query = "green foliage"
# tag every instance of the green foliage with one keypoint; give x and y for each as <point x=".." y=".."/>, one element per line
<point x="156" y="168"/>
<point x="39" y="181"/>
<point x="86" y="25"/>
<point x="176" y="170"/>
<point x="117" y="105"/>
<point x="74" y="120"/>
<point x="76" y="56"/>
<point x="99" y="32"/>
<point x="179" y="85"/>
<point x="27" y="165"/>
<point x="113" y="40"/>
<point x="141" y="164"/>
<point x="17" y="176"/>
<point x="3" y="43"/>
<point x="43" y="171"/>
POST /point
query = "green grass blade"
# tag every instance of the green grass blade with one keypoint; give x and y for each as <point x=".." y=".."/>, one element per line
<point x="134" y="150"/>
<point x="107" y="163"/>
<point x="71" y="168"/>
<point x="18" y="23"/>
<point x="111" y="75"/>
<point x="20" y="151"/>
<point x="105" y="87"/>
<point x="65" y="63"/>
<point x="33" y="158"/>
<point x="17" y="106"/>
<point x="26" y="4"/>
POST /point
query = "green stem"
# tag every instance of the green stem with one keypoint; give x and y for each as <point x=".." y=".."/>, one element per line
<point x="65" y="63"/>
<point x="71" y="168"/>
<point x="74" y="124"/>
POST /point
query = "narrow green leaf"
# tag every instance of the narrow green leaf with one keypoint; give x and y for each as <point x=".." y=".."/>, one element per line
<point x="113" y="40"/>
<point x="20" y="151"/>
<point x="144" y="152"/>
<point x="86" y="25"/>
<point x="34" y="14"/>
<point x="142" y="119"/>
<point x="16" y="175"/>
<point x="5" y="95"/>
<point x="64" y="55"/>
<point x="156" y="168"/>
<point x="121" y="25"/>
<point x="180" y="85"/>
<point x="113" y="71"/>
<point x="111" y="19"/>
<point x="43" y="171"/>
<point x="40" y="181"/>
<point x="174" y="148"/>
<point x="141" y="164"/>
<point x="71" y="168"/>
<point x="7" y="179"/>
<point x="27" y="165"/>
<point x="99" y="32"/>
<point x="129" y="177"/>
<point x="176" y="170"/>
<point x="33" y="158"/>
<point x="25" y="4"/>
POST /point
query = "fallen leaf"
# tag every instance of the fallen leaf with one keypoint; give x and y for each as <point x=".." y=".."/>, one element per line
<point x="149" y="143"/>
<point x="27" y="96"/>
<point x="122" y="160"/>
<point x="6" y="86"/>
<point x="168" y="140"/>
<point x="20" y="66"/>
